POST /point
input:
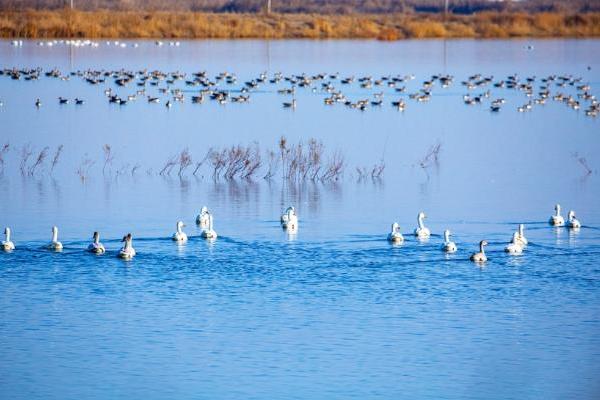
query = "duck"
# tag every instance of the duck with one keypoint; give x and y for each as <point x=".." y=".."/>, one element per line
<point x="449" y="246"/>
<point x="7" y="245"/>
<point x="395" y="236"/>
<point x="573" y="221"/>
<point x="203" y="217"/>
<point x="208" y="232"/>
<point x="179" y="235"/>
<point x="521" y="239"/>
<point x="96" y="247"/>
<point x="127" y="252"/>
<point x="289" y="220"/>
<point x="514" y="247"/>
<point x="38" y="103"/>
<point x="55" y="244"/>
<point x="290" y="105"/>
<point x="557" y="219"/>
<point x="480" y="256"/>
<point x="422" y="231"/>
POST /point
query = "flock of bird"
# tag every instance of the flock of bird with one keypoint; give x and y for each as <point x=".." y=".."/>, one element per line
<point x="289" y="222"/>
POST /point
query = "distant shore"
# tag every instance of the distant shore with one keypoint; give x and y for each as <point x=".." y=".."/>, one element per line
<point x="189" y="25"/>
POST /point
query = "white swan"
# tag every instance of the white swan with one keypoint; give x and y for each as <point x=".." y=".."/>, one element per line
<point x="422" y="231"/>
<point x="557" y="219"/>
<point x="127" y="252"/>
<point x="96" y="247"/>
<point x="395" y="236"/>
<point x="514" y="247"/>
<point x="289" y="220"/>
<point x="521" y="239"/>
<point x="54" y="244"/>
<point x="202" y="218"/>
<point x="208" y="232"/>
<point x="7" y="245"/>
<point x="480" y="256"/>
<point x="449" y="246"/>
<point x="179" y="235"/>
<point x="573" y="221"/>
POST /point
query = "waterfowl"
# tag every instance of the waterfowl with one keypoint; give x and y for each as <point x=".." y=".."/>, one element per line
<point x="7" y="245"/>
<point x="179" y="235"/>
<point x="514" y="247"/>
<point x="290" y="105"/>
<point x="289" y="220"/>
<point x="521" y="239"/>
<point x="96" y="247"/>
<point x="422" y="231"/>
<point x="480" y="256"/>
<point x="573" y="221"/>
<point x="55" y="244"/>
<point x="38" y="103"/>
<point x="127" y="252"/>
<point x="449" y="246"/>
<point x="203" y="217"/>
<point x="208" y="232"/>
<point x="395" y="236"/>
<point x="557" y="219"/>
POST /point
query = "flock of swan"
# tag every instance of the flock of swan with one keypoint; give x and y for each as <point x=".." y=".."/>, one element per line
<point x="289" y="222"/>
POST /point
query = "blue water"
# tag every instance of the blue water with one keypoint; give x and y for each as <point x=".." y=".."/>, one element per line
<point x="333" y="312"/>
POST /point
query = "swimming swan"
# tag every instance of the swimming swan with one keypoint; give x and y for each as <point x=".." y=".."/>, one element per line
<point x="180" y="236"/>
<point x="449" y="246"/>
<point x="514" y="247"/>
<point x="573" y="221"/>
<point x="480" y="256"/>
<point x="395" y="236"/>
<point x="127" y="252"/>
<point x="557" y="219"/>
<point x="7" y="245"/>
<point x="208" y="232"/>
<point x="289" y="220"/>
<point x="422" y="232"/>
<point x="54" y="244"/>
<point x="202" y="218"/>
<point x="521" y="239"/>
<point x="96" y="247"/>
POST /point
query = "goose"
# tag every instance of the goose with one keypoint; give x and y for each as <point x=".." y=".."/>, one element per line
<point x="449" y="246"/>
<point x="289" y="220"/>
<point x="480" y="256"/>
<point x="127" y="252"/>
<point x="7" y="245"/>
<point x="514" y="247"/>
<point x="422" y="231"/>
<point x="96" y="247"/>
<point x="573" y="221"/>
<point x="395" y="236"/>
<point x="521" y="239"/>
<point x="180" y="236"/>
<point x="208" y="232"/>
<point x="203" y="217"/>
<point x="55" y="244"/>
<point x="557" y="219"/>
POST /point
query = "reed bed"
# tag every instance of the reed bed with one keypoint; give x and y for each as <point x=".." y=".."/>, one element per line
<point x="48" y="24"/>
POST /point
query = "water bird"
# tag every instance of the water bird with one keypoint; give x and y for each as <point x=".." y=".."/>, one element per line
<point x="209" y="232"/>
<point x="290" y="105"/>
<point x="573" y="221"/>
<point x="480" y="256"/>
<point x="449" y="246"/>
<point x="38" y="103"/>
<point x="127" y="252"/>
<point x="79" y="101"/>
<point x="55" y="244"/>
<point x="395" y="236"/>
<point x="96" y="247"/>
<point x="179" y="235"/>
<point x="514" y="247"/>
<point x="62" y="100"/>
<point x="203" y="218"/>
<point x="422" y="232"/>
<point x="557" y="219"/>
<point x="289" y="220"/>
<point x="7" y="245"/>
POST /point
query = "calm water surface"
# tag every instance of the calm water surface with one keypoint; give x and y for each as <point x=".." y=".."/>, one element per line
<point x="333" y="312"/>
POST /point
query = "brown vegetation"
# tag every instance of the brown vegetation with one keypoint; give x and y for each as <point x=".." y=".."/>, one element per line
<point x="130" y="24"/>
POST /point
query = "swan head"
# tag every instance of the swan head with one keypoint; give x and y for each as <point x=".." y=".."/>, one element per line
<point x="180" y="225"/>
<point x="203" y="210"/>
<point x="55" y="229"/>
<point x="395" y="227"/>
<point x="422" y="215"/>
<point x="571" y="214"/>
<point x="96" y="236"/>
<point x="483" y="243"/>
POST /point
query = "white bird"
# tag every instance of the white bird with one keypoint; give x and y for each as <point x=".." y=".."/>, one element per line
<point x="573" y="221"/>
<point x="179" y="235"/>
<point x="7" y="245"/>
<point x="449" y="246"/>
<point x="521" y="239"/>
<point x="54" y="244"/>
<point x="127" y="252"/>
<point x="422" y="232"/>
<point x="208" y="232"/>
<point x="557" y="219"/>
<point x="514" y="247"/>
<point x="289" y="220"/>
<point x="96" y="247"/>
<point x="480" y="256"/>
<point x="395" y="236"/>
<point x="202" y="218"/>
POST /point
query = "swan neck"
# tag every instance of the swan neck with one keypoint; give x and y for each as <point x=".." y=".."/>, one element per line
<point x="420" y="221"/>
<point x="481" y="248"/>
<point x="55" y="235"/>
<point x="447" y="236"/>
<point x="7" y="233"/>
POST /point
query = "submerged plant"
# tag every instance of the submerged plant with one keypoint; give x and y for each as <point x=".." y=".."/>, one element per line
<point x="26" y="152"/>
<point x="39" y="161"/>
<point x="3" y="151"/>
<point x="56" y="157"/>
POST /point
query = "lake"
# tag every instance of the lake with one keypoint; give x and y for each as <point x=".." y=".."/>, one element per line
<point x="333" y="311"/>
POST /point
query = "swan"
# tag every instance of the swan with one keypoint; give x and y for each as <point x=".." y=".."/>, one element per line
<point x="557" y="219"/>
<point x="127" y="252"/>
<point x="449" y="246"/>
<point x="514" y="247"/>
<point x="180" y="236"/>
<point x="521" y="239"/>
<point x="395" y="236"/>
<point x="55" y="244"/>
<point x="422" y="231"/>
<point x="7" y="245"/>
<point x="208" y="232"/>
<point x="202" y="218"/>
<point x="96" y="247"/>
<point x="573" y="221"/>
<point x="289" y="220"/>
<point x="480" y="256"/>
